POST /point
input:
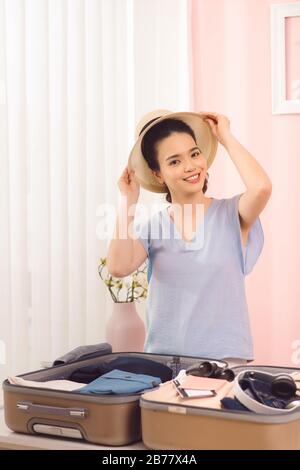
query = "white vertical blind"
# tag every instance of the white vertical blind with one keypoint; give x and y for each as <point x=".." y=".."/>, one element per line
<point x="75" y="77"/>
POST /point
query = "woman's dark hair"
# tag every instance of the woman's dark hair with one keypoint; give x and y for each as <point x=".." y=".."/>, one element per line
<point x="157" y="133"/>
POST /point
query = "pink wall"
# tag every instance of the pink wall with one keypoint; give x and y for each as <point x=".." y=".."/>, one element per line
<point x="232" y="75"/>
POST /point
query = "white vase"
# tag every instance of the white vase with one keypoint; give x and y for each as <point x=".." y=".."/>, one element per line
<point x="125" y="330"/>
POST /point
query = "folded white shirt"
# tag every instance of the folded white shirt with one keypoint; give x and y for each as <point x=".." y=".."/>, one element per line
<point x="66" y="385"/>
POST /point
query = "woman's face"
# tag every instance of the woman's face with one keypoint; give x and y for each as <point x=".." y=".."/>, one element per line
<point x="179" y="158"/>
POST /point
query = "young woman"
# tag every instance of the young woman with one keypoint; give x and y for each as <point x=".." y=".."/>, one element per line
<point x="196" y="303"/>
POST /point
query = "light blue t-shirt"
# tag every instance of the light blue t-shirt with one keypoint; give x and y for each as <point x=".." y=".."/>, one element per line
<point x="196" y="304"/>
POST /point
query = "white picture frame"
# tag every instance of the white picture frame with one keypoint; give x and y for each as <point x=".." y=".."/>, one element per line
<point x="280" y="104"/>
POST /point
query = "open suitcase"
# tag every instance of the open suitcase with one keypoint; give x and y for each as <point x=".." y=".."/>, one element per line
<point x="170" y="422"/>
<point x="108" y="420"/>
<point x="159" y="417"/>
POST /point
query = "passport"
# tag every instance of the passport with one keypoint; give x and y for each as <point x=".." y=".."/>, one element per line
<point x="192" y="382"/>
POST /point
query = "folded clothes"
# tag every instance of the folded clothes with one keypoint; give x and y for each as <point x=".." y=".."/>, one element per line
<point x="120" y="382"/>
<point x="137" y="365"/>
<point x="66" y="385"/>
<point x="81" y="352"/>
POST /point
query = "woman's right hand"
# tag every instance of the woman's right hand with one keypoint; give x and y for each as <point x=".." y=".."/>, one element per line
<point x="128" y="185"/>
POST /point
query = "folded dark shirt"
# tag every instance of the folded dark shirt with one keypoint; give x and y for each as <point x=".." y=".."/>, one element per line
<point x="137" y="365"/>
<point x="81" y="352"/>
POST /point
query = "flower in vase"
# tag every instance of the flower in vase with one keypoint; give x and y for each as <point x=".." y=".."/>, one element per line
<point x="128" y="289"/>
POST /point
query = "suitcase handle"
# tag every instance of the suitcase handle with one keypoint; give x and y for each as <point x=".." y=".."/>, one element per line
<point x="52" y="410"/>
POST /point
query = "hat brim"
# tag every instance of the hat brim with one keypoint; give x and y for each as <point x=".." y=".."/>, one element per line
<point x="205" y="140"/>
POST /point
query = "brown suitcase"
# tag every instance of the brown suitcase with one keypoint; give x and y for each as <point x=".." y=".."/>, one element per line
<point x="108" y="420"/>
<point x="171" y="422"/>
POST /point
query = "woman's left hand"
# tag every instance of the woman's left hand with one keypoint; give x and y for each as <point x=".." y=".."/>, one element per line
<point x="219" y="124"/>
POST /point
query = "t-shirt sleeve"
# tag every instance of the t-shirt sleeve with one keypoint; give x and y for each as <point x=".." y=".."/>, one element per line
<point x="250" y="253"/>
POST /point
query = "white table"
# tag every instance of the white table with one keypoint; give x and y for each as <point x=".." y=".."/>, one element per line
<point x="12" y="440"/>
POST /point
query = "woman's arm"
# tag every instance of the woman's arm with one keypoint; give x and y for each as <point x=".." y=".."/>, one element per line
<point x="257" y="182"/>
<point x="120" y="251"/>
<point x="252" y="173"/>
<point x="125" y="254"/>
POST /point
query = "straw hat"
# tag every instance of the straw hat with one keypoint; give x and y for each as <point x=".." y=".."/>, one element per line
<point x="205" y="139"/>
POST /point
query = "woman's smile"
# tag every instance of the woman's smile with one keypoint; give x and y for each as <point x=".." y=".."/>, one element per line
<point x="193" y="179"/>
